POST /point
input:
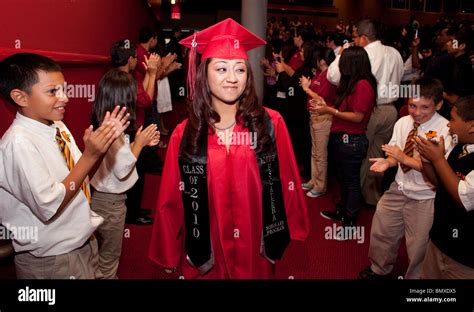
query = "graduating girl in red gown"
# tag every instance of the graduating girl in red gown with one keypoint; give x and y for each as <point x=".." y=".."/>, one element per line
<point x="229" y="200"/>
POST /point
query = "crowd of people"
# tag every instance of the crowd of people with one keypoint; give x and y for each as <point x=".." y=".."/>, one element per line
<point x="238" y="168"/>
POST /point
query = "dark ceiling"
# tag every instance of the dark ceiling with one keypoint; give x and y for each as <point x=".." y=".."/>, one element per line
<point x="211" y="6"/>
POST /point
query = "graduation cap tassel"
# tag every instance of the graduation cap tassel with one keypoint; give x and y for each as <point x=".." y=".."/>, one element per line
<point x="192" y="69"/>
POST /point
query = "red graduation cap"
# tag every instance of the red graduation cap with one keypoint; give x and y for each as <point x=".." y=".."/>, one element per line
<point x="227" y="40"/>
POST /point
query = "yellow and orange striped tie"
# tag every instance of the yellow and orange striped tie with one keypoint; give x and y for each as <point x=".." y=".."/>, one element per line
<point x="70" y="161"/>
<point x="410" y="145"/>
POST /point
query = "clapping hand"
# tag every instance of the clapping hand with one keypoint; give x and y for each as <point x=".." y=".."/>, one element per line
<point x="305" y="82"/>
<point x="379" y="165"/>
<point x="118" y="118"/>
<point x="152" y="63"/>
<point x="429" y="149"/>
<point x="148" y="137"/>
<point x="319" y="106"/>
<point x="394" y="151"/>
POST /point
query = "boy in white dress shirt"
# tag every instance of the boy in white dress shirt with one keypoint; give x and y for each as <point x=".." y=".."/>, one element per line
<point x="44" y="192"/>
<point x="406" y="208"/>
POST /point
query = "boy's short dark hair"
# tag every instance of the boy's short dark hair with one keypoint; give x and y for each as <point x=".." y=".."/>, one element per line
<point x="20" y="71"/>
<point x="335" y="37"/>
<point x="120" y="52"/>
<point x="145" y="34"/>
<point x="465" y="107"/>
<point x="430" y="88"/>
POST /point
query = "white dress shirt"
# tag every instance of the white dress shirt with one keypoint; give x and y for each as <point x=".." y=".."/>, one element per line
<point x="387" y="67"/>
<point x="32" y="169"/>
<point x="117" y="172"/>
<point x="413" y="183"/>
<point x="466" y="186"/>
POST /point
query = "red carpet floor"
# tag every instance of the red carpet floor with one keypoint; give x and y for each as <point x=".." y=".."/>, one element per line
<point x="317" y="258"/>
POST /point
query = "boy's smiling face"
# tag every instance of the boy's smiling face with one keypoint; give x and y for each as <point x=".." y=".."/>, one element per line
<point x="422" y="109"/>
<point x="47" y="101"/>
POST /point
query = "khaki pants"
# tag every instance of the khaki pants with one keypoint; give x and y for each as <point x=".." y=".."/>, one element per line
<point x="81" y="263"/>
<point x="397" y="216"/>
<point x="110" y="233"/>
<point x="320" y="128"/>
<point x="439" y="266"/>
<point x="379" y="131"/>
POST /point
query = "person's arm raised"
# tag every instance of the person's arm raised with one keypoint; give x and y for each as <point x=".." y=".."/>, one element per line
<point x="96" y="144"/>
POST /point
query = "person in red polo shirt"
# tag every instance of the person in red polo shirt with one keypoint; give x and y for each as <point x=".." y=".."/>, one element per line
<point x="353" y="105"/>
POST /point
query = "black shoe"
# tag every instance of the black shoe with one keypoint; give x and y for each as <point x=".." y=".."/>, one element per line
<point x="348" y="221"/>
<point x="144" y="220"/>
<point x="139" y="221"/>
<point x="332" y="215"/>
<point x="349" y="230"/>
<point x="368" y="274"/>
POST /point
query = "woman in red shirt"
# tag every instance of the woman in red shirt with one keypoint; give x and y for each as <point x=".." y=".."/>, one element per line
<point x="353" y="105"/>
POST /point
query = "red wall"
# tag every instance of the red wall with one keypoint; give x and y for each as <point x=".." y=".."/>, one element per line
<point x="81" y="26"/>
<point x="78" y="26"/>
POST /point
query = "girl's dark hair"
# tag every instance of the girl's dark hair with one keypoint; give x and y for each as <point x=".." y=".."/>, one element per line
<point x="115" y="88"/>
<point x="202" y="117"/>
<point x="354" y="65"/>
<point x="325" y="54"/>
<point x="310" y="48"/>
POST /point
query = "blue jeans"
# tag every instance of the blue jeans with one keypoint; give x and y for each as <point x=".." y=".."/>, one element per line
<point x="348" y="152"/>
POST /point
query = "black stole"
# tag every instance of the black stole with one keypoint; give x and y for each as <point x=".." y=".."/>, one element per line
<point x="193" y="169"/>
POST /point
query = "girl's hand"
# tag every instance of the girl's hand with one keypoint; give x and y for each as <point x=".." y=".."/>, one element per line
<point x="270" y="72"/>
<point x="155" y="140"/>
<point x="280" y="67"/>
<point x="148" y="136"/>
<point x="278" y="57"/>
<point x="305" y="82"/>
<point x="118" y="118"/>
<point x="319" y="106"/>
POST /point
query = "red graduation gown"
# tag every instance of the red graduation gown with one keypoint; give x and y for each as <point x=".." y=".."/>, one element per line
<point x="235" y="207"/>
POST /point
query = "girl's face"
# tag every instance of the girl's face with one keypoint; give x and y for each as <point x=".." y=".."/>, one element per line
<point x="227" y="79"/>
